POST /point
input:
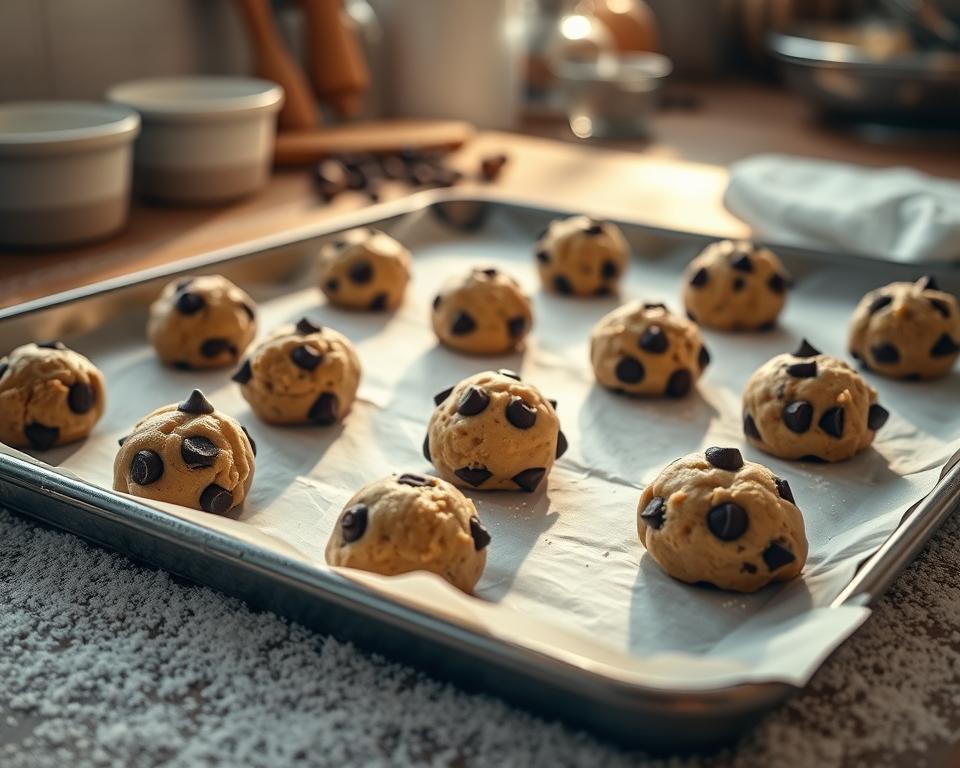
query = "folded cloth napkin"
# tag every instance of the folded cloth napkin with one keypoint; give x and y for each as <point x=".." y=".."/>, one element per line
<point x="896" y="213"/>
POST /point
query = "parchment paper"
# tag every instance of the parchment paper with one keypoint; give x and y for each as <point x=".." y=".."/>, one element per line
<point x="565" y="572"/>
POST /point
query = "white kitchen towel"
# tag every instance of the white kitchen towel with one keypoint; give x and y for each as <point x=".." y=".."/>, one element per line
<point x="892" y="213"/>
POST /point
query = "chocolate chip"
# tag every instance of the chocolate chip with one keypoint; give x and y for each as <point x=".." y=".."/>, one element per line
<point x="700" y="278"/>
<point x="306" y="358"/>
<point x="803" y="370"/>
<point x="879" y="303"/>
<point x="750" y="427"/>
<point x="777" y="283"/>
<point x="122" y="440"/>
<point x="360" y="272"/>
<point x="436" y="302"/>
<point x="426" y="448"/>
<point x="798" y="415"/>
<point x="3" y="369"/>
<point x="743" y="263"/>
<point x="332" y="285"/>
<point x="473" y="401"/>
<point x="489" y="272"/>
<point x="80" y="398"/>
<point x="324" y="410"/>
<point x="529" y="479"/>
<point x="562" y="285"/>
<point x="146" y="467"/>
<point x="609" y="269"/>
<point x="214" y="347"/>
<point x="462" y="324"/>
<point x="521" y="415"/>
<point x="877" y="416"/>
<point x="198" y="452"/>
<point x="927" y="283"/>
<point x="654" y="340"/>
<point x="776" y="556"/>
<point x="703" y="358"/>
<point x="379" y="302"/>
<point x="249" y="310"/>
<point x="679" y="383"/>
<point x="654" y="512"/>
<point x="728" y="521"/>
<point x="630" y="370"/>
<point x="885" y="353"/>
<point x="748" y="568"/>
<point x="594" y="229"/>
<point x="196" y="403"/>
<point x="474" y="476"/>
<point x="783" y="488"/>
<point x="253" y="443"/>
<point x="806" y="349"/>
<point x="40" y="435"/>
<point x="724" y="458"/>
<point x="480" y="535"/>
<point x="353" y="522"/>
<point x="813" y="458"/>
<point x="944" y="347"/>
<point x="216" y="499"/>
<point x="543" y="257"/>
<point x="739" y="284"/>
<point x="516" y="326"/>
<point x="244" y="373"/>
<point x="441" y="396"/>
<point x="188" y="303"/>
<point x="562" y="445"/>
<point x="831" y="422"/>
<point x="490" y="167"/>
<point x="508" y="373"/>
<point x="52" y="345"/>
<point x="416" y="481"/>
<point x="690" y="316"/>
<point x="304" y="327"/>
<point x="553" y="403"/>
<point x="941" y="306"/>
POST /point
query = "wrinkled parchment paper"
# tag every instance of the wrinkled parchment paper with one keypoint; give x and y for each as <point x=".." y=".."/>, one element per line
<point x="565" y="573"/>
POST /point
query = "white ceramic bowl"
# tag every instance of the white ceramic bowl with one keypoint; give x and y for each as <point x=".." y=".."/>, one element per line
<point x="64" y="171"/>
<point x="205" y="140"/>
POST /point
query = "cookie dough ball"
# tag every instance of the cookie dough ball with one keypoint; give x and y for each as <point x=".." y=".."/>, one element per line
<point x="301" y="374"/>
<point x="644" y="349"/>
<point x="49" y="395"/>
<point x="364" y="269"/>
<point x="187" y="454"/>
<point x="493" y="432"/>
<point x="907" y="330"/>
<point x="580" y="256"/>
<point x="202" y="322"/>
<point x="712" y="517"/>
<point x="482" y="313"/>
<point x="810" y="406"/>
<point x="735" y="286"/>
<point x="411" y="523"/>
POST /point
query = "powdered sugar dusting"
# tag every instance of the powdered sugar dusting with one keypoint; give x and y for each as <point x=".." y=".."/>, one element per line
<point x="105" y="662"/>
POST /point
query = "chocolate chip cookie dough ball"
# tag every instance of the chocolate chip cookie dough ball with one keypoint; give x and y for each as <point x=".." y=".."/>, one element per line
<point x="735" y="286"/>
<point x="644" y="349"/>
<point x="484" y="312"/>
<point x="810" y="406"/>
<point x="49" y="395"/>
<point x="187" y="454"/>
<point x="411" y="523"/>
<point x="301" y="374"/>
<point x="712" y="517"/>
<point x="493" y="432"/>
<point x="364" y="269"/>
<point x="580" y="256"/>
<point x="907" y="330"/>
<point x="202" y="322"/>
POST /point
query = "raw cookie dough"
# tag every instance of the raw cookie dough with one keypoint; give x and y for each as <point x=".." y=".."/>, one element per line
<point x="810" y="406"/>
<point x="301" y="374"/>
<point x="187" y="454"/>
<point x="907" y="330"/>
<point x="201" y="322"/>
<point x="411" y="523"/>
<point x="581" y="256"/>
<point x="493" y="432"/>
<point x="49" y="395"/>
<point x="482" y="313"/>
<point x="364" y="269"/>
<point x="735" y="286"/>
<point x="712" y="517"/>
<point x="644" y="349"/>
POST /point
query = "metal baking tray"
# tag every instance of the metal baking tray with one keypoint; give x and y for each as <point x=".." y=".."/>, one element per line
<point x="650" y="717"/>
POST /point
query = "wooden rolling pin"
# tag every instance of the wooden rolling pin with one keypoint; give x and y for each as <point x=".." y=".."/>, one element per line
<point x="335" y="59"/>
<point x="274" y="62"/>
